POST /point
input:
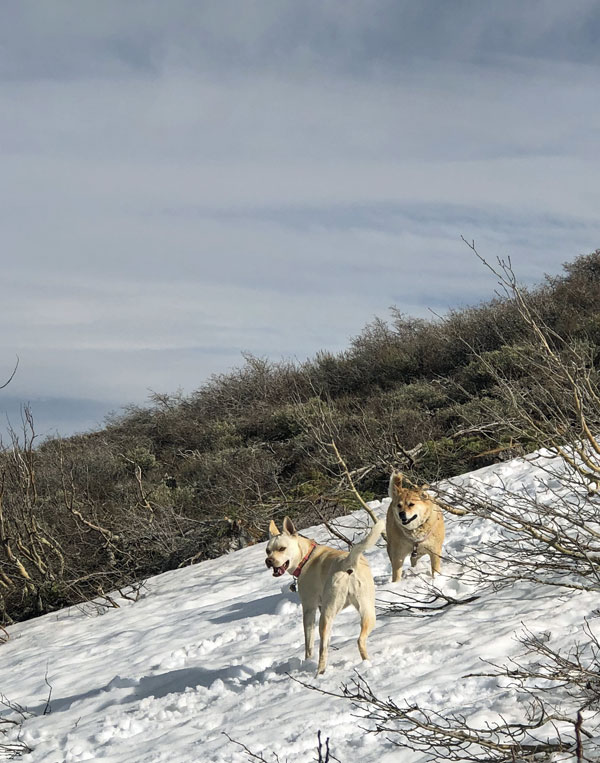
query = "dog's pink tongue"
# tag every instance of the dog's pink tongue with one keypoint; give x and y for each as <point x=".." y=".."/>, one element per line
<point x="278" y="571"/>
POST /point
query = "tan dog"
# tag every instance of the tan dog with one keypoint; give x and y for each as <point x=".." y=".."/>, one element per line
<point x="328" y="580"/>
<point x="414" y="526"/>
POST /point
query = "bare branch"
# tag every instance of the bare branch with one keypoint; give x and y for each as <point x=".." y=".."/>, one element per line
<point x="11" y="377"/>
<point x="358" y="496"/>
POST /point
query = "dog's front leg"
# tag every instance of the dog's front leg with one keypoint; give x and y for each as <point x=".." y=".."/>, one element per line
<point x="325" y="623"/>
<point x="398" y="553"/>
<point x="436" y="563"/>
<point x="308" y="617"/>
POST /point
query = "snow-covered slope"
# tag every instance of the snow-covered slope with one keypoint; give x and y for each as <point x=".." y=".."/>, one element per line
<point x="212" y="650"/>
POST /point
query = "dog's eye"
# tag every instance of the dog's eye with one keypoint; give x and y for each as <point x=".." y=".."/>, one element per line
<point x="282" y="548"/>
<point x="410" y="505"/>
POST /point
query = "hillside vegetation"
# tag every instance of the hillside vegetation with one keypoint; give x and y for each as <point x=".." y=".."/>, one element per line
<point x="188" y="478"/>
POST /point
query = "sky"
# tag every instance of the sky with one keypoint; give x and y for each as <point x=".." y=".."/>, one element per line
<point x="185" y="182"/>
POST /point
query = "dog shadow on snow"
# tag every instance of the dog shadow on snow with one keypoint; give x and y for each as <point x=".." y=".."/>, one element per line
<point x="121" y="690"/>
<point x="266" y="605"/>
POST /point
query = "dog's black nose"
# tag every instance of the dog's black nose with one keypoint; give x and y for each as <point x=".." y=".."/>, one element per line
<point x="268" y="562"/>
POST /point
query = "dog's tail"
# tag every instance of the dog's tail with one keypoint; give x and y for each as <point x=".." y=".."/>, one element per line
<point x="364" y="545"/>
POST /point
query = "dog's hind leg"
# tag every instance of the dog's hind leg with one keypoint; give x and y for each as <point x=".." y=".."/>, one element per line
<point x="334" y="599"/>
<point x="367" y="623"/>
<point x="308" y="617"/>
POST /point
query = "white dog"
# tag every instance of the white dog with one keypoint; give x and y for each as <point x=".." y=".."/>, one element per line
<point x="328" y="579"/>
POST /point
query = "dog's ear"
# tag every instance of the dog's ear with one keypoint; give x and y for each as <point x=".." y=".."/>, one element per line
<point x="395" y="483"/>
<point x="273" y="531"/>
<point x="288" y="526"/>
<point x="425" y="492"/>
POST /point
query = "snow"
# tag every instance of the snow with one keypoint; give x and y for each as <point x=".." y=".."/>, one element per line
<point x="213" y="650"/>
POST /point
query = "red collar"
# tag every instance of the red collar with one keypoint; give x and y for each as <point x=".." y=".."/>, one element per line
<point x="298" y="570"/>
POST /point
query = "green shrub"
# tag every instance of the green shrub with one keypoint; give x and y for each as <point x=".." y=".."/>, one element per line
<point x="252" y="443"/>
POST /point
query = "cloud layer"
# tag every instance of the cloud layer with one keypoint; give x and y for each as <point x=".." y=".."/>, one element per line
<point x="185" y="181"/>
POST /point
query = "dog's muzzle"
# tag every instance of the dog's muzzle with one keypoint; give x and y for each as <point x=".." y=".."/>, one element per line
<point x="404" y="519"/>
<point x="277" y="571"/>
